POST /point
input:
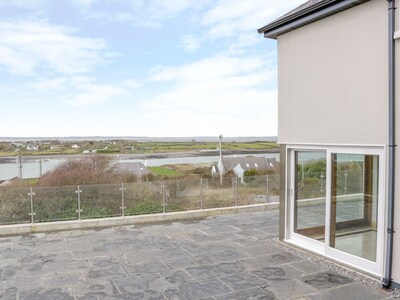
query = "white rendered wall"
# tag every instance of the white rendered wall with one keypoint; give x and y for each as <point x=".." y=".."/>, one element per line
<point x="333" y="79"/>
<point x="333" y="82"/>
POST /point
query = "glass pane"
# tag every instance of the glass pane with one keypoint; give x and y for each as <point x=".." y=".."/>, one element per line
<point x="354" y="204"/>
<point x="55" y="204"/>
<point x="310" y="194"/>
<point x="100" y="201"/>
<point x="217" y="195"/>
<point x="183" y="195"/>
<point x="15" y="205"/>
<point x="258" y="189"/>
<point x="144" y="198"/>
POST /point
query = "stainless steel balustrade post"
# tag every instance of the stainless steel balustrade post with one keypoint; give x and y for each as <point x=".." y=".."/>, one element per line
<point x="236" y="191"/>
<point x="32" y="213"/>
<point x="201" y="194"/>
<point x="164" y="204"/>
<point x="123" y="207"/>
<point x="79" y="210"/>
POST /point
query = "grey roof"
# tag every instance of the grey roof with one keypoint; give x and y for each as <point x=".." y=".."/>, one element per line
<point x="272" y="163"/>
<point x="302" y="7"/>
<point x="249" y="163"/>
<point x="137" y="168"/>
<point x="8" y="182"/>
<point x="306" y="13"/>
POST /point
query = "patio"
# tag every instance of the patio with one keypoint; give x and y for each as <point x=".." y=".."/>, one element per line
<point x="224" y="257"/>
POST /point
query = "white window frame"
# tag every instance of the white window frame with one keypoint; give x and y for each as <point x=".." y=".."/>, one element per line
<point x="323" y="248"/>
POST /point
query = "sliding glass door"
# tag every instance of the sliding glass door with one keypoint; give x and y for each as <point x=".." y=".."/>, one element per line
<point x="310" y="194"/>
<point x="336" y="203"/>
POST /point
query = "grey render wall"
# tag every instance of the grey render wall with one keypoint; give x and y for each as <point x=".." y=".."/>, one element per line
<point x="333" y="79"/>
<point x="333" y="86"/>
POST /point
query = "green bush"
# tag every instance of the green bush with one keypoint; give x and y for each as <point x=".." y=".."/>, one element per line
<point x="15" y="206"/>
<point x="144" y="208"/>
<point x="251" y="172"/>
<point x="248" y="174"/>
<point x="107" y="151"/>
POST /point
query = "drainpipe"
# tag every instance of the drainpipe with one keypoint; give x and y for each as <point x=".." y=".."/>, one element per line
<point x="387" y="280"/>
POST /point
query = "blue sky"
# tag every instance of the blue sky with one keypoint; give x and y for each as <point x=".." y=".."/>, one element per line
<point x="138" y="68"/>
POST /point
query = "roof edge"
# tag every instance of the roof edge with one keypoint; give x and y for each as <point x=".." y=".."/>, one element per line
<point x="319" y="10"/>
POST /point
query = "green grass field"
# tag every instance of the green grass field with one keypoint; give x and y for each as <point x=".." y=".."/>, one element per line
<point x="192" y="146"/>
<point x="149" y="147"/>
<point x="164" y="171"/>
<point x="41" y="153"/>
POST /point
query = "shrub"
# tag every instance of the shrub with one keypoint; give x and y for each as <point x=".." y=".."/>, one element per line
<point x="85" y="171"/>
<point x="251" y="172"/>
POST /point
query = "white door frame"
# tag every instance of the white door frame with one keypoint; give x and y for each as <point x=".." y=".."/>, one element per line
<point x="323" y="248"/>
<point x="301" y="240"/>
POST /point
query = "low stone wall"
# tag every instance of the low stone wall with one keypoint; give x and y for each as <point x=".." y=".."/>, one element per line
<point x="18" y="229"/>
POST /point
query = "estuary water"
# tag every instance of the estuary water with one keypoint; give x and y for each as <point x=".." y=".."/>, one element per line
<point x="31" y="167"/>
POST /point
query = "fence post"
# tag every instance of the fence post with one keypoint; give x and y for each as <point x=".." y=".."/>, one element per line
<point x="123" y="207"/>
<point x="201" y="194"/>
<point x="163" y="197"/>
<point x="79" y="210"/>
<point x="345" y="181"/>
<point x="267" y="180"/>
<point x="236" y="191"/>
<point x="32" y="213"/>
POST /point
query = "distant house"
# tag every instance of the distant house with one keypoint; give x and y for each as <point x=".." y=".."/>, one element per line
<point x="75" y="146"/>
<point x="18" y="145"/>
<point x="135" y="168"/>
<point x="32" y="148"/>
<point x="241" y="164"/>
<point x="86" y="152"/>
<point x="55" y="147"/>
<point x="9" y="182"/>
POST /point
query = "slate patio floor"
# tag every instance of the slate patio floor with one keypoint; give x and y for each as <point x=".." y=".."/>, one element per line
<point x="223" y="257"/>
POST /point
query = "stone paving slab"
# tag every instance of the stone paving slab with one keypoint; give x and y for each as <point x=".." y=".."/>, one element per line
<point x="220" y="257"/>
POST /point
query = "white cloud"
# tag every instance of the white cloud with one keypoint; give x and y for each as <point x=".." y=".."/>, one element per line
<point x="230" y="17"/>
<point x="95" y="94"/>
<point x="242" y="41"/>
<point x="143" y="13"/>
<point x="163" y="73"/>
<point x="58" y="84"/>
<point x="231" y="92"/>
<point x="233" y="113"/>
<point x="85" y="92"/>
<point x="44" y="84"/>
<point x="161" y="9"/>
<point x="233" y="23"/>
<point x="124" y="17"/>
<point x="83" y="2"/>
<point x="21" y="3"/>
<point x="215" y="94"/>
<point x="207" y="69"/>
<point x="26" y="46"/>
<point x="130" y="84"/>
<point x="189" y="43"/>
<point x="81" y="80"/>
<point x="82" y="91"/>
